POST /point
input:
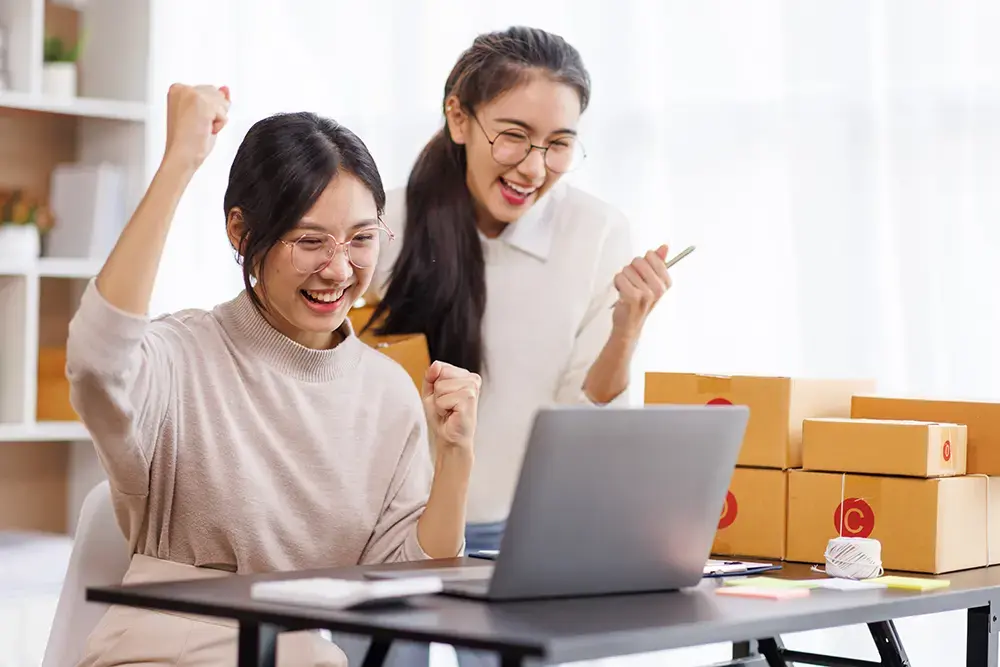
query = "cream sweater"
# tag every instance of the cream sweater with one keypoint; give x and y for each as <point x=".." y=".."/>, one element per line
<point x="229" y="446"/>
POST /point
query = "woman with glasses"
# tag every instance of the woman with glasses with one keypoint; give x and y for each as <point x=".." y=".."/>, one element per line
<point x="508" y="271"/>
<point x="261" y="435"/>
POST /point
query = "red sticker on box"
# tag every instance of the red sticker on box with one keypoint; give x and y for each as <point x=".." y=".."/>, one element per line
<point x="858" y="517"/>
<point x="729" y="510"/>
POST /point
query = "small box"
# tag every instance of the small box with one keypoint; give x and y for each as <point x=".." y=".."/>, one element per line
<point x="884" y="447"/>
<point x="752" y="521"/>
<point x="924" y="525"/>
<point x="53" y="402"/>
<point x="408" y="350"/>
<point x="981" y="417"/>
<point x="777" y="407"/>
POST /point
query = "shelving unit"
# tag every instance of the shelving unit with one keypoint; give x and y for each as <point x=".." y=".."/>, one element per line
<point x="106" y="122"/>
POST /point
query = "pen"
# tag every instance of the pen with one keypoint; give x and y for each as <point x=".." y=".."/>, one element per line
<point x="681" y="255"/>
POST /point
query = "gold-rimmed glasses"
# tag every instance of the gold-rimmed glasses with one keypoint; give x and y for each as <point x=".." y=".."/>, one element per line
<point x="313" y="251"/>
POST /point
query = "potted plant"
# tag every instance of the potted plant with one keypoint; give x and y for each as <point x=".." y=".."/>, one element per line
<point x="23" y="221"/>
<point x="59" y="72"/>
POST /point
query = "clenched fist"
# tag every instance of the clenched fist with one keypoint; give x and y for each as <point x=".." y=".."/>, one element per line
<point x="640" y="286"/>
<point x="451" y="401"/>
<point x="195" y="114"/>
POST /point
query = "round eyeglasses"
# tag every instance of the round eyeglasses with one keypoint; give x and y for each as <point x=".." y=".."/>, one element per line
<point x="511" y="147"/>
<point x="313" y="251"/>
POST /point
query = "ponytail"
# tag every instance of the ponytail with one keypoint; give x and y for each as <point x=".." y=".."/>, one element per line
<point x="438" y="284"/>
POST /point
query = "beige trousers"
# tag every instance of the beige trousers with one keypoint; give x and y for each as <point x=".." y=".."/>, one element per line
<point x="127" y="637"/>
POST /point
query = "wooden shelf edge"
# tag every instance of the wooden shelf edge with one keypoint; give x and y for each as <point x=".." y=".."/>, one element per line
<point x="84" y="107"/>
<point x="52" y="267"/>
<point x="44" y="432"/>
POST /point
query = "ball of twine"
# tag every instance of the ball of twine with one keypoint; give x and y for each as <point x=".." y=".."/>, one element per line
<point x="854" y="558"/>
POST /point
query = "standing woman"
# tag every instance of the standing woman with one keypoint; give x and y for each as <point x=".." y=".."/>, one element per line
<point x="507" y="271"/>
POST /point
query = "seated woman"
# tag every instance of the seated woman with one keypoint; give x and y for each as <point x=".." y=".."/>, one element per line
<point x="261" y="435"/>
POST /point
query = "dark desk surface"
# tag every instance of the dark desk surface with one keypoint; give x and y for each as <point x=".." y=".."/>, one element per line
<point x="571" y="629"/>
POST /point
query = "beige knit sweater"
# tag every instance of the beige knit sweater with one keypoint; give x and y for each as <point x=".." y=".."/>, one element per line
<point x="230" y="446"/>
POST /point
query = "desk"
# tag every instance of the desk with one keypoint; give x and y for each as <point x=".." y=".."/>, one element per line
<point x="557" y="631"/>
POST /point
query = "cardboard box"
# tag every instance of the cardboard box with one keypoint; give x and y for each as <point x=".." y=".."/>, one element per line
<point x="982" y="419"/>
<point x="752" y="521"/>
<point x="408" y="350"/>
<point x="884" y="447"/>
<point x="777" y="407"/>
<point x="53" y="402"/>
<point x="924" y="525"/>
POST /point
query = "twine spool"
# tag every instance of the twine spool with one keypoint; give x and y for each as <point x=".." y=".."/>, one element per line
<point x="851" y="557"/>
<point x="854" y="558"/>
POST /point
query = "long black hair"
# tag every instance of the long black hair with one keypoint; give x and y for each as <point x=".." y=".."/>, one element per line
<point x="282" y="167"/>
<point x="438" y="283"/>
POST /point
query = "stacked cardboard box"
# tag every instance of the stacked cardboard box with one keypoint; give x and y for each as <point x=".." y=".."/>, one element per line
<point x="919" y="476"/>
<point x="752" y="521"/>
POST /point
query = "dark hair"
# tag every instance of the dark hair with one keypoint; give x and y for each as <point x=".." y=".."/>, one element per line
<point x="438" y="283"/>
<point x="281" y="169"/>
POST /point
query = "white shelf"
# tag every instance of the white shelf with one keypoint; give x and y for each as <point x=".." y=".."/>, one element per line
<point x="52" y="267"/>
<point x="43" y="432"/>
<point x="77" y="106"/>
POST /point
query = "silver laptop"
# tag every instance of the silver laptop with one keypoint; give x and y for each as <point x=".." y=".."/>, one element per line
<point x="610" y="501"/>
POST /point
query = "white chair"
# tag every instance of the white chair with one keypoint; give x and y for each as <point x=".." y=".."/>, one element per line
<point x="99" y="558"/>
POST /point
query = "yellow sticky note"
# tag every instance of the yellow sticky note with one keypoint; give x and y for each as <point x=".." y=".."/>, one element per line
<point x="911" y="583"/>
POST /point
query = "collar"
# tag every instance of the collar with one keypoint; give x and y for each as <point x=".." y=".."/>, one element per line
<point x="248" y="328"/>
<point x="533" y="232"/>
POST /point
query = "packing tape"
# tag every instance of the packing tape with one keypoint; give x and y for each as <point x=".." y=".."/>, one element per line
<point x="989" y="555"/>
<point x="714" y="384"/>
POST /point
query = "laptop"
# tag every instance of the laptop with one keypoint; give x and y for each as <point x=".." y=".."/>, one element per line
<point x="609" y="501"/>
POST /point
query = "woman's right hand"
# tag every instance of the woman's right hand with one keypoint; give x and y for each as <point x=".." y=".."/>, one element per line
<point x="195" y="114"/>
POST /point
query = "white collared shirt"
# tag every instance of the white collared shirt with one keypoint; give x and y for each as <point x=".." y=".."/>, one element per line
<point x="548" y="314"/>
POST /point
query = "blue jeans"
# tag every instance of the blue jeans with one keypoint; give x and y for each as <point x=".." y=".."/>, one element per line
<point x="484" y="536"/>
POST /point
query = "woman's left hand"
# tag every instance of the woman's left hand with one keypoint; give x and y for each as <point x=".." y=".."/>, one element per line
<point x="640" y="286"/>
<point x="451" y="402"/>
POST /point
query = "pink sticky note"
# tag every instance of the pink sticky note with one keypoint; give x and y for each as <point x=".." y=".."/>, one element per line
<point x="765" y="593"/>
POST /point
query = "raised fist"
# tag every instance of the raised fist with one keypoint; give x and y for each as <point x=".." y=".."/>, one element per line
<point x="195" y="114"/>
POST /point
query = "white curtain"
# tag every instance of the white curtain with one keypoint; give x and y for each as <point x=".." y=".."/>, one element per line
<point x="836" y="162"/>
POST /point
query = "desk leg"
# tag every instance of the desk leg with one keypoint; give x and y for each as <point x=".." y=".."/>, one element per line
<point x="378" y="649"/>
<point x="890" y="648"/>
<point x="258" y="645"/>
<point x="981" y="647"/>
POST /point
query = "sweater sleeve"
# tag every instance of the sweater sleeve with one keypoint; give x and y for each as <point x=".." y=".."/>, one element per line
<point x="119" y="371"/>
<point x="595" y="327"/>
<point x="394" y="538"/>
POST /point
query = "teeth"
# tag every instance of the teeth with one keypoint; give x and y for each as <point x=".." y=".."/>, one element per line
<point x="325" y="297"/>
<point x="517" y="188"/>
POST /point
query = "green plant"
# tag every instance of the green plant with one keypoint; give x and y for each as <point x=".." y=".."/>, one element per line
<point x="19" y="208"/>
<point x="56" y="51"/>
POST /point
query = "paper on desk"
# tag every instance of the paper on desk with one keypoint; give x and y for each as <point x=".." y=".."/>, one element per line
<point x="835" y="584"/>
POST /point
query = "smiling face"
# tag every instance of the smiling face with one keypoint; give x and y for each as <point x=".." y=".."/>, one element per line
<point x="539" y="111"/>
<point x="307" y="291"/>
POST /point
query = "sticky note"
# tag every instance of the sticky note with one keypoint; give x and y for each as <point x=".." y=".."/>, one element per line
<point x="764" y="592"/>
<point x="772" y="582"/>
<point x="912" y="583"/>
